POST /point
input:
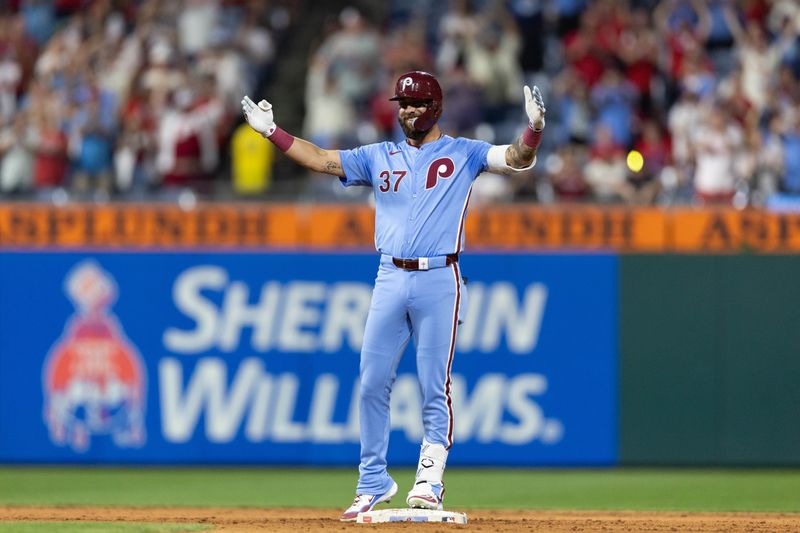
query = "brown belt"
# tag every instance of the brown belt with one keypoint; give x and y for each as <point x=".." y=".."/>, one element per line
<point x="413" y="264"/>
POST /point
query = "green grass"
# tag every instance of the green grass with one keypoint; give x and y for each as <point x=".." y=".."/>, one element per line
<point x="602" y="489"/>
<point x="96" y="527"/>
<point x="631" y="489"/>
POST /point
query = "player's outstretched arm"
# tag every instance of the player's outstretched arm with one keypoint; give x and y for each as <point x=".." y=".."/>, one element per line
<point x="302" y="152"/>
<point x="520" y="154"/>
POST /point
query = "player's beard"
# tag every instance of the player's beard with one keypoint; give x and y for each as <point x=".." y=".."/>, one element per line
<point x="410" y="132"/>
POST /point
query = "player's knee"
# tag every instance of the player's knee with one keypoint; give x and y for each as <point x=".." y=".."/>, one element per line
<point x="374" y="390"/>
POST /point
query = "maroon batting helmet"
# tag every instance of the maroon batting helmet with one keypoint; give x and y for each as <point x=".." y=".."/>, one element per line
<point x="421" y="86"/>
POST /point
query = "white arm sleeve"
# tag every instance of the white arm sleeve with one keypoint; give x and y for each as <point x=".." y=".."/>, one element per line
<point x="496" y="161"/>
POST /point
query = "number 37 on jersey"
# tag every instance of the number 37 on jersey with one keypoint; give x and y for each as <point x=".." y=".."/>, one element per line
<point x="389" y="180"/>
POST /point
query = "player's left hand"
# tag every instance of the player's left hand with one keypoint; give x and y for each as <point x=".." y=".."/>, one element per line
<point x="534" y="107"/>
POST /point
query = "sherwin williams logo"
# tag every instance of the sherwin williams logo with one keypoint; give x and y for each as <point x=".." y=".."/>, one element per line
<point x="93" y="378"/>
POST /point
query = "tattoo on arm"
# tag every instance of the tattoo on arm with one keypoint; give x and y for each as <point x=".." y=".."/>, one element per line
<point x="315" y="158"/>
<point x="332" y="167"/>
<point x="519" y="154"/>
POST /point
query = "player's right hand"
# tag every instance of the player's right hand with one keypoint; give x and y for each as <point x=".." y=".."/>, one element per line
<point x="259" y="116"/>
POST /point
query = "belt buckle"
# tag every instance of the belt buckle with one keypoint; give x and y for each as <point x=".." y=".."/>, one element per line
<point x="423" y="263"/>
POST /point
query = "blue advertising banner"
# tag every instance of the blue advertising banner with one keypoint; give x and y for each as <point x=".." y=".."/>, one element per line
<point x="243" y="358"/>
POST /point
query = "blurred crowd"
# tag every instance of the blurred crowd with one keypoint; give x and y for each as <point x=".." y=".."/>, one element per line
<point x="103" y="99"/>
<point x="649" y="102"/>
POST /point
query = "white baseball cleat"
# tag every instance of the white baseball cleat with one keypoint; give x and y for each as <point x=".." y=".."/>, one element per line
<point x="365" y="502"/>
<point x="426" y="495"/>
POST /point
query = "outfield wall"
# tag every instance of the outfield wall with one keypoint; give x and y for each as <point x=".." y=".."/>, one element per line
<point x="168" y="352"/>
<point x="710" y="360"/>
<point x="235" y="357"/>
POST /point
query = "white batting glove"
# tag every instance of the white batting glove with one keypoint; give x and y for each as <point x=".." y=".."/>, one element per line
<point x="259" y="116"/>
<point x="534" y="107"/>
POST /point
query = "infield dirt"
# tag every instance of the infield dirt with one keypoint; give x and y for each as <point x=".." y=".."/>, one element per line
<point x="489" y="521"/>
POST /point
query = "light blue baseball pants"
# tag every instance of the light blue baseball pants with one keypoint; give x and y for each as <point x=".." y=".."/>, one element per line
<point x="423" y="305"/>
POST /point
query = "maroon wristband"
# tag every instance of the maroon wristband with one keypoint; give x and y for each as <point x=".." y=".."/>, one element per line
<point x="281" y="139"/>
<point x="532" y="137"/>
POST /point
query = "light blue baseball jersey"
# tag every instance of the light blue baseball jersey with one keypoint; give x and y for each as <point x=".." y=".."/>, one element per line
<point x="421" y="194"/>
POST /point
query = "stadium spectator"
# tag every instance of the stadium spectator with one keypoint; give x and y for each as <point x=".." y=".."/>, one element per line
<point x="770" y="160"/>
<point x="91" y="147"/>
<point x="352" y="55"/>
<point x="257" y="44"/>
<point x="491" y="188"/>
<point x="162" y="76"/>
<point x="491" y="60"/>
<point x="614" y="98"/>
<point x="10" y="79"/>
<point x="606" y="172"/>
<point x="684" y="117"/>
<point x="581" y="52"/>
<point x="746" y="166"/>
<point x="457" y="27"/>
<point x="405" y="47"/>
<point x="251" y="162"/>
<point x="135" y="152"/>
<point x="759" y="59"/>
<point x="132" y="158"/>
<point x="637" y="48"/>
<point x="566" y="14"/>
<point x="684" y="28"/>
<point x="715" y="144"/>
<point x="565" y="174"/>
<point x="50" y="149"/>
<point x="382" y="112"/>
<point x="696" y="74"/>
<point x="16" y="159"/>
<point x="464" y="111"/>
<point x="187" y="143"/>
<point x="655" y="150"/>
<point x="572" y="109"/>
<point x="196" y="20"/>
<point x="530" y="18"/>
<point x="39" y="18"/>
<point x="329" y="113"/>
<point x="730" y="94"/>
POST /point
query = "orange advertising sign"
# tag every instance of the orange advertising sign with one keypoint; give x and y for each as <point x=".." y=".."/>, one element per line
<point x="733" y="231"/>
<point x="507" y="227"/>
<point x="524" y="227"/>
<point x="147" y="225"/>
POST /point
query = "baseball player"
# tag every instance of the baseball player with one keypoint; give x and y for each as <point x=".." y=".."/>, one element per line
<point x="422" y="188"/>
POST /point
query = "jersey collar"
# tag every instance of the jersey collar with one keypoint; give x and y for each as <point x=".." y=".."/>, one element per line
<point x="406" y="143"/>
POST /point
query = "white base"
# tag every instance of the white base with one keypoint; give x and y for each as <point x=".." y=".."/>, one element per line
<point x="411" y="515"/>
